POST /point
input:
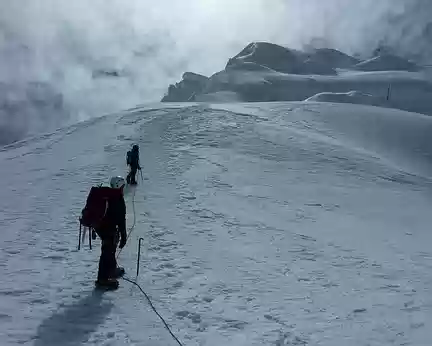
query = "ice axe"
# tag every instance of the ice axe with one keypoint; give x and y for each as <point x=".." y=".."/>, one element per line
<point x="139" y="255"/>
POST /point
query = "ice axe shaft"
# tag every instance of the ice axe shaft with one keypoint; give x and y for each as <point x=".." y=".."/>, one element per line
<point x="139" y="254"/>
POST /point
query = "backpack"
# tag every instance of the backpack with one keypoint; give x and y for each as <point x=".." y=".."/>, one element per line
<point x="95" y="210"/>
<point x="129" y="158"/>
<point x="96" y="206"/>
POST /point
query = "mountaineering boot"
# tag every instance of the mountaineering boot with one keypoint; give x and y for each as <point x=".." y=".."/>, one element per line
<point x="108" y="284"/>
<point x="119" y="272"/>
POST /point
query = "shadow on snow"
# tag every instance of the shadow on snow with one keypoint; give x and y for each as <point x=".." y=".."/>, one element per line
<point x="75" y="323"/>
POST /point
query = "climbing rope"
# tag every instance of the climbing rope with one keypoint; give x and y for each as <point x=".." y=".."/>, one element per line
<point x="154" y="309"/>
<point x="136" y="284"/>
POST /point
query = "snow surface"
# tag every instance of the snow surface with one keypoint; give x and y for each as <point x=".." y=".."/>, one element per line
<point x="296" y="223"/>
<point x="354" y="97"/>
<point x="386" y="62"/>
<point x="410" y="91"/>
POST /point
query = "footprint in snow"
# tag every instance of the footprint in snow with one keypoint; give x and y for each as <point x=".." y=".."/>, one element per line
<point x="194" y="317"/>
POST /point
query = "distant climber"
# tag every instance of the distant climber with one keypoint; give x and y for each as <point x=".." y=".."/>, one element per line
<point x="105" y="213"/>
<point x="132" y="160"/>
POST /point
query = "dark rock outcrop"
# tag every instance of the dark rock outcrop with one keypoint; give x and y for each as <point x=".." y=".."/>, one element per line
<point x="263" y="55"/>
<point x="185" y="90"/>
<point x="331" y="58"/>
<point x="268" y="55"/>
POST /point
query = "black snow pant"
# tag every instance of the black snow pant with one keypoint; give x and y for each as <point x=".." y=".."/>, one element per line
<point x="131" y="178"/>
<point x="107" y="260"/>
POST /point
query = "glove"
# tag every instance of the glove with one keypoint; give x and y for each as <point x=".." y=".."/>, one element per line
<point x="122" y="242"/>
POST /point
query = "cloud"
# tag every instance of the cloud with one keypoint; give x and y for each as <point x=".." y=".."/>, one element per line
<point x="149" y="44"/>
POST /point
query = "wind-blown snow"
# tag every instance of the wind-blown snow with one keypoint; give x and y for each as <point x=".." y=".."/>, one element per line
<point x="301" y="223"/>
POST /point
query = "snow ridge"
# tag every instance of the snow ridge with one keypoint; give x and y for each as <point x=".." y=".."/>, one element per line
<point x="264" y="72"/>
<point x="288" y="222"/>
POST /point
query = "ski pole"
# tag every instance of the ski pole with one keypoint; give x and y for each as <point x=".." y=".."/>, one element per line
<point x="142" y="179"/>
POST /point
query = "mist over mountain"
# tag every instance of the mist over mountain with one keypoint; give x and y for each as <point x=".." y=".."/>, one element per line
<point x="83" y="59"/>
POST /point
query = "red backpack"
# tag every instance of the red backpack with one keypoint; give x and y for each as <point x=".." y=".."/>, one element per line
<point x="95" y="210"/>
<point x="96" y="206"/>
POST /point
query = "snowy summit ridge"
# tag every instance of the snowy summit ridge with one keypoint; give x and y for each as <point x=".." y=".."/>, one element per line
<point x="265" y="71"/>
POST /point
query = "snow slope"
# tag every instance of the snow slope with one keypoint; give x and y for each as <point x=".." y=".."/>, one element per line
<point x="353" y="97"/>
<point x="409" y="91"/>
<point x="386" y="62"/>
<point x="291" y="223"/>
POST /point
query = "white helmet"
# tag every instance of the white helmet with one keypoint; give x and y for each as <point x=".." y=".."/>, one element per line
<point x="117" y="182"/>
